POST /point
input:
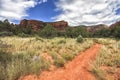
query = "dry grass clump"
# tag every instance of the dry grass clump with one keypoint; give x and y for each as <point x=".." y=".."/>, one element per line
<point x="104" y="41"/>
<point x="14" y="65"/>
<point x="109" y="57"/>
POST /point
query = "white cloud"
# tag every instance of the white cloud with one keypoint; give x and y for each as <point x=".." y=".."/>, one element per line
<point x="42" y="1"/>
<point x="16" y="9"/>
<point x="88" y="12"/>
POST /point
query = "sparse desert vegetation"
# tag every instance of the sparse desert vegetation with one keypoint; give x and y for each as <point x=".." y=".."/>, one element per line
<point x="35" y="46"/>
<point x="107" y="64"/>
<point x="23" y="56"/>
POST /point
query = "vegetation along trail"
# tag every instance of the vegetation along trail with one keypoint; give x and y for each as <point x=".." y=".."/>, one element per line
<point x="77" y="69"/>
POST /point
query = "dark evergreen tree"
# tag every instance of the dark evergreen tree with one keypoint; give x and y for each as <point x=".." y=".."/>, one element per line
<point x="48" y="32"/>
<point x="81" y="31"/>
<point x="102" y="33"/>
<point x="115" y="32"/>
<point x="70" y="32"/>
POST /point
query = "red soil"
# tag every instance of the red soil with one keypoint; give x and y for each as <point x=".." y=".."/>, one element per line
<point x="77" y="69"/>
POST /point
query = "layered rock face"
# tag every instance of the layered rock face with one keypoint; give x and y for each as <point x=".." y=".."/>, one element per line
<point x="96" y="27"/>
<point x="38" y="25"/>
<point x="60" y="25"/>
<point x="34" y="24"/>
<point x="115" y="24"/>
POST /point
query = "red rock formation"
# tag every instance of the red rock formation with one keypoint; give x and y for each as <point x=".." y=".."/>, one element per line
<point x="35" y="24"/>
<point x="115" y="24"/>
<point x="60" y="25"/>
<point x="96" y="27"/>
<point x="38" y="25"/>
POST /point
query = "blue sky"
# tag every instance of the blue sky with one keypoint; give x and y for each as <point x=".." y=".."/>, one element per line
<point x="75" y="12"/>
<point x="44" y="11"/>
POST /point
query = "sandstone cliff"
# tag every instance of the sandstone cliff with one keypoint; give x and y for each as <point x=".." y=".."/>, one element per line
<point x="96" y="27"/>
<point x="38" y="25"/>
<point x="115" y="24"/>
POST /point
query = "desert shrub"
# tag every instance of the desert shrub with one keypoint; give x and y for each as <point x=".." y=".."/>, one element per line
<point x="75" y="32"/>
<point x="81" y="30"/>
<point x="59" y="62"/>
<point x="68" y="56"/>
<point x="20" y="64"/>
<point x="54" y="55"/>
<point x="3" y="45"/>
<point x="48" y="32"/>
<point x="6" y="33"/>
<point x="61" y="34"/>
<point x="39" y="38"/>
<point x="106" y="41"/>
<point x="2" y="72"/>
<point x="5" y="58"/>
<point x="102" y="33"/>
<point x="80" y="39"/>
<point x="62" y="42"/>
<point x="99" y="74"/>
<point x="96" y="40"/>
<point x="69" y="32"/>
<point x="23" y="35"/>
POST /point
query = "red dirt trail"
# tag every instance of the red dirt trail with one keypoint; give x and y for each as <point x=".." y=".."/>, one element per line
<point x="77" y="69"/>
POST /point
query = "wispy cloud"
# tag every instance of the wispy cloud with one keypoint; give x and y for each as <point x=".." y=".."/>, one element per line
<point x="16" y="9"/>
<point x="88" y="12"/>
<point x="42" y="1"/>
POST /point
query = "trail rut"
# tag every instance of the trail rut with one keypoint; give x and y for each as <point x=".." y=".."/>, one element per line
<point x="77" y="69"/>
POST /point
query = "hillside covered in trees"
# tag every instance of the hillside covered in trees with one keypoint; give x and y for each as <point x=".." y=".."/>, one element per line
<point x="28" y="28"/>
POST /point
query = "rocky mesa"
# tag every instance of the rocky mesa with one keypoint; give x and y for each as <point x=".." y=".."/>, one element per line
<point x="62" y="25"/>
<point x="38" y="25"/>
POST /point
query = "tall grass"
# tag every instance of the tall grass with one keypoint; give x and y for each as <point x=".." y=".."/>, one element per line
<point x="14" y="65"/>
<point x="108" y="57"/>
<point x="40" y="45"/>
<point x="23" y="56"/>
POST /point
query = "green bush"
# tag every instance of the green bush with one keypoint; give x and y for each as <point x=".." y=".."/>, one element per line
<point x="68" y="56"/>
<point x="22" y="35"/>
<point x="48" y="32"/>
<point x="6" y="33"/>
<point x="62" y="42"/>
<point x="59" y="62"/>
<point x="80" y="39"/>
<point x="39" y="39"/>
<point x="70" y="32"/>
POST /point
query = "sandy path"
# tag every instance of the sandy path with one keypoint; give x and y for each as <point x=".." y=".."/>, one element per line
<point x="77" y="69"/>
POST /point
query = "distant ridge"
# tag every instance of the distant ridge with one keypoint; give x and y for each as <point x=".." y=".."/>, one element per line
<point x="115" y="24"/>
<point x="62" y="25"/>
